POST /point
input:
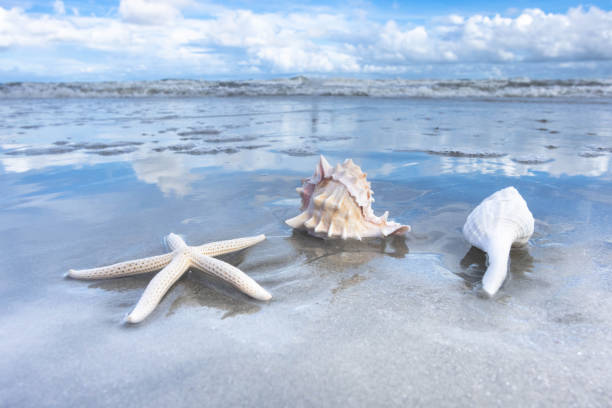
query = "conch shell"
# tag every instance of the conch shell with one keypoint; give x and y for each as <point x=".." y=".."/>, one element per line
<point x="337" y="203"/>
<point x="501" y="221"/>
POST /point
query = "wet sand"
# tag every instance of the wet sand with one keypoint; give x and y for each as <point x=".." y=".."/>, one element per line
<point x="390" y="322"/>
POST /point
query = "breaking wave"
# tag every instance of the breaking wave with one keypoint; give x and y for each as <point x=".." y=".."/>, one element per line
<point x="392" y="88"/>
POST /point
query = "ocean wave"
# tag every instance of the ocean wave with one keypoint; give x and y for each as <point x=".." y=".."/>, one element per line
<point x="303" y="86"/>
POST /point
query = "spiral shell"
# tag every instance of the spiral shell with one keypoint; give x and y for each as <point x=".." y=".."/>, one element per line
<point x="501" y="221"/>
<point x="502" y="215"/>
<point x="337" y="203"/>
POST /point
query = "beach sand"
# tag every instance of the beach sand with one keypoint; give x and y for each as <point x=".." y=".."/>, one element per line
<point x="395" y="322"/>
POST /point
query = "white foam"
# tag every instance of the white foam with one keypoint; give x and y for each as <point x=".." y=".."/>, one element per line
<point x="392" y="88"/>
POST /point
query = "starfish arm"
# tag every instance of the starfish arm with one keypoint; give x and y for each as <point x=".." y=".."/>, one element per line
<point x="128" y="268"/>
<point x="231" y="245"/>
<point x="175" y="242"/>
<point x="157" y="288"/>
<point x="230" y="274"/>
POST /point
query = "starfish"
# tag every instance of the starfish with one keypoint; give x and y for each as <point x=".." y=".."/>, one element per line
<point x="173" y="265"/>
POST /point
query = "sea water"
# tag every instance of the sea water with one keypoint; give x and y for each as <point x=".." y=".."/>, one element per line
<point x="88" y="181"/>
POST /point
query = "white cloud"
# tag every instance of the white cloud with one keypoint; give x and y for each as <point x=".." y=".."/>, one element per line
<point x="531" y="36"/>
<point x="151" y="11"/>
<point x="535" y="35"/>
<point x="411" y="44"/>
<point x="159" y="34"/>
<point x="58" y="7"/>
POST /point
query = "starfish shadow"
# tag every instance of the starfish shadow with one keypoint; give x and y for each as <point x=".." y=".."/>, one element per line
<point x="198" y="289"/>
<point x="200" y="293"/>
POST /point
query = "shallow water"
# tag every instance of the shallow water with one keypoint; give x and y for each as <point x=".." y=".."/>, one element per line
<point x="398" y="322"/>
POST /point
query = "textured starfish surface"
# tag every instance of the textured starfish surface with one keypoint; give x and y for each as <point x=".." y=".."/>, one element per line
<point x="174" y="264"/>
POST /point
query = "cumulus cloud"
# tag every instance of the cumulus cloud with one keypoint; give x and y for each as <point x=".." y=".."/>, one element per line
<point x="531" y="36"/>
<point x="151" y="11"/>
<point x="58" y="7"/>
<point x="155" y="34"/>
<point x="535" y="35"/>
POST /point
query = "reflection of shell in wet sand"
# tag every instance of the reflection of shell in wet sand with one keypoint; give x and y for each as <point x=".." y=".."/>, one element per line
<point x="501" y="221"/>
<point x="337" y="203"/>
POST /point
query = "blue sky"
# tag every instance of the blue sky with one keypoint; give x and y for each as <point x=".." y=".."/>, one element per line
<point x="64" y="40"/>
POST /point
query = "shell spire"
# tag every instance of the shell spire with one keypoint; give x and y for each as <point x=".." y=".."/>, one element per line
<point x="337" y="203"/>
<point x="501" y="221"/>
<point x="323" y="170"/>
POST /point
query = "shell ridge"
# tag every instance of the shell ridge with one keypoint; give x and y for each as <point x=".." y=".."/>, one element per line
<point x="336" y="202"/>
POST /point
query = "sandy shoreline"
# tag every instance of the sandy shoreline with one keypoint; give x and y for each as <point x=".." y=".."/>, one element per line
<point x="387" y="322"/>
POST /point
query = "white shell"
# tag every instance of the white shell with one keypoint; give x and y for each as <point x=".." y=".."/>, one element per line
<point x="499" y="222"/>
<point x="337" y="203"/>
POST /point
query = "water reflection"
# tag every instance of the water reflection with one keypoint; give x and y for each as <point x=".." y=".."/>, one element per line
<point x="560" y="165"/>
<point x="174" y="173"/>
<point x="76" y="159"/>
<point x="167" y="171"/>
<point x="264" y="135"/>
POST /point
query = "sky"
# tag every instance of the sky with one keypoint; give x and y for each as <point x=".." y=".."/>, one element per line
<point x="86" y="40"/>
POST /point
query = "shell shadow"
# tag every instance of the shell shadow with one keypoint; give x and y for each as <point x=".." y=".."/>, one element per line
<point x="474" y="264"/>
<point x="332" y="258"/>
<point x="351" y="252"/>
